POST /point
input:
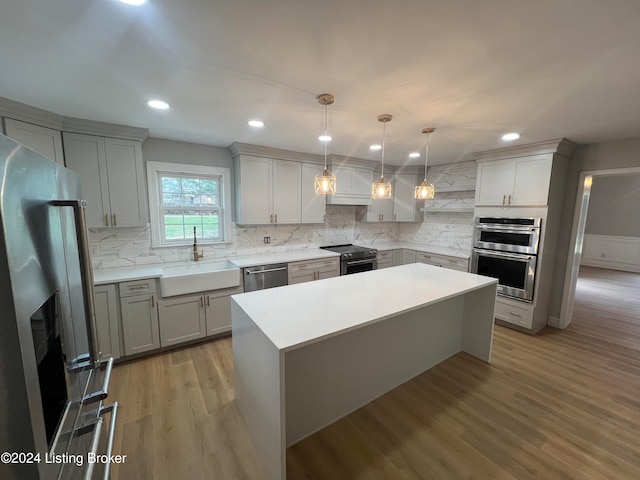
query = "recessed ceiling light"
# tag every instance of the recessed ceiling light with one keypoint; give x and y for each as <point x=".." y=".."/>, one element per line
<point x="158" y="104"/>
<point x="135" y="3"/>
<point x="414" y="155"/>
<point x="324" y="138"/>
<point x="256" y="123"/>
<point x="507" y="137"/>
<point x="375" y="148"/>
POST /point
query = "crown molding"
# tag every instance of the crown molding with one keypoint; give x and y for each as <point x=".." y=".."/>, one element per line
<point x="237" y="148"/>
<point x="560" y="146"/>
<point x="27" y="113"/>
<point x="103" y="129"/>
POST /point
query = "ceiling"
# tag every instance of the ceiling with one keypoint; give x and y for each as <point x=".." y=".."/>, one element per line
<point x="474" y="70"/>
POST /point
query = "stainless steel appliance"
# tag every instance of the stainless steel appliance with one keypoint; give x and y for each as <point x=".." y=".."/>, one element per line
<point x="52" y="383"/>
<point x="265" y="276"/>
<point x="506" y="249"/>
<point x="355" y="259"/>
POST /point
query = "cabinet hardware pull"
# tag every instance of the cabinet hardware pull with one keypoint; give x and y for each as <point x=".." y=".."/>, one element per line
<point x="208" y="301"/>
<point x="509" y="199"/>
<point x="276" y="218"/>
<point x="201" y="302"/>
<point x="153" y="301"/>
<point x="106" y="219"/>
<point x="271" y="218"/>
<point x="503" y="198"/>
<point x="114" y="220"/>
<point x="515" y="314"/>
<point x="394" y="217"/>
<point x="136" y="287"/>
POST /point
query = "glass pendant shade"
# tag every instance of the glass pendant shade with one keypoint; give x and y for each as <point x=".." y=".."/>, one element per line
<point x="381" y="189"/>
<point x="424" y="191"/>
<point x="325" y="183"/>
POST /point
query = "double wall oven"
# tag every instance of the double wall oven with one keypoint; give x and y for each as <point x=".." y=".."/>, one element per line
<point x="507" y="249"/>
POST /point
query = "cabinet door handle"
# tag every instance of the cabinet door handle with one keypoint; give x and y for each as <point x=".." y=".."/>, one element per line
<point x="509" y="199"/>
<point x="114" y="220"/>
<point x="504" y="197"/>
<point x="106" y="219"/>
<point x="201" y="302"/>
<point x="515" y="314"/>
<point x="208" y="301"/>
<point x="271" y="218"/>
<point x="153" y="301"/>
<point x="276" y="218"/>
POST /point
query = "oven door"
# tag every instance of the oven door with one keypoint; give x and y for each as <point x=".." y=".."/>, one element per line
<point x="507" y="239"/>
<point x="515" y="272"/>
<point x="348" y="267"/>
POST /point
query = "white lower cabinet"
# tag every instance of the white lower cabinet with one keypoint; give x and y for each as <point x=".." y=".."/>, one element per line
<point x="397" y="257"/>
<point x="408" y="256"/>
<point x="513" y="312"/>
<point x="107" y="321"/>
<point x="181" y="319"/>
<point x="187" y="318"/>
<point x="139" y="316"/>
<point x="309" y="270"/>
<point x="385" y="259"/>
<point x="454" y="263"/>
<point x="218" y="310"/>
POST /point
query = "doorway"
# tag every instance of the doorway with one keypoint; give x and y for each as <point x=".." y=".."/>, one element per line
<point x="577" y="241"/>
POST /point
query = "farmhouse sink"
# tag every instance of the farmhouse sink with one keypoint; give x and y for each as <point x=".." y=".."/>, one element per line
<point x="198" y="277"/>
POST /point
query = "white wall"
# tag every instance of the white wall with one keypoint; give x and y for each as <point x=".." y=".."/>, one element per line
<point x="614" y="206"/>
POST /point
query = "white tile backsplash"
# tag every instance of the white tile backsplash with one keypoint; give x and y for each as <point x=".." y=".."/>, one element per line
<point x="132" y="246"/>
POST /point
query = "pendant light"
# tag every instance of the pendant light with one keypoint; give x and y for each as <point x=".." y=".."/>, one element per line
<point x="382" y="189"/>
<point x="325" y="183"/>
<point x="425" y="191"/>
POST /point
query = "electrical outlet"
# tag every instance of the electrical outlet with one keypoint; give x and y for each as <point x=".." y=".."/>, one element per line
<point x="267" y="240"/>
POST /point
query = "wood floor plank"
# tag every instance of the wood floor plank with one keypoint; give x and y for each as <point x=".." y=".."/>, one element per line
<point x="561" y="404"/>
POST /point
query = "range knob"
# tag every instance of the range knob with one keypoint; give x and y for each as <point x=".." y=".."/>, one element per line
<point x="349" y="255"/>
<point x="372" y="252"/>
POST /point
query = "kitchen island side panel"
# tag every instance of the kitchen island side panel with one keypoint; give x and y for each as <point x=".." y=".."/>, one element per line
<point x="477" y="332"/>
<point x="330" y="379"/>
<point x="259" y="390"/>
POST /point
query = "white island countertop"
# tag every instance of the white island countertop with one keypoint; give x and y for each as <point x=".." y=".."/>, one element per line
<point x="297" y="315"/>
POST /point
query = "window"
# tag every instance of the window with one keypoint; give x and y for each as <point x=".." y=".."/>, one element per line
<point x="187" y="197"/>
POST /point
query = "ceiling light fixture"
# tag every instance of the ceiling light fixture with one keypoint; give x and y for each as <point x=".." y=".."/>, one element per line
<point x="256" y="123"/>
<point x="325" y="183"/>
<point x="508" y="137"/>
<point x="375" y="148"/>
<point x="158" y="104"/>
<point x="414" y="155"/>
<point x="425" y="190"/>
<point x="382" y="189"/>
<point x="135" y="3"/>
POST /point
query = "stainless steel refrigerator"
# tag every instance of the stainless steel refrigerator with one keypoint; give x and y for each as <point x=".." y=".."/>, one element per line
<point x="53" y="387"/>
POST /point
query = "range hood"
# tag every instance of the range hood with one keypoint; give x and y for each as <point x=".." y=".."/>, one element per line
<point x="353" y="182"/>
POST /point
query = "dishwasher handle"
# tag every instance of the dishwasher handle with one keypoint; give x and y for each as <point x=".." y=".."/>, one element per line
<point x="255" y="272"/>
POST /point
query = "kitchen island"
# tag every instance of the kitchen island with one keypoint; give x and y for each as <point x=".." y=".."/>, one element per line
<point x="306" y="355"/>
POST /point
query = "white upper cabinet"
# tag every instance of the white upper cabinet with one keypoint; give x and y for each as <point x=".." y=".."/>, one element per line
<point x="314" y="206"/>
<point x="45" y="141"/>
<point x="514" y="182"/>
<point x="267" y="191"/>
<point x="111" y="173"/>
<point x="405" y="207"/>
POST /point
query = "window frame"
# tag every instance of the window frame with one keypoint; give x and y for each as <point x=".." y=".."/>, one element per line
<point x="154" y="169"/>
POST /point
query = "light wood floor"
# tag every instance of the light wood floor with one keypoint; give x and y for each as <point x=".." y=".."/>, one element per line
<point x="561" y="404"/>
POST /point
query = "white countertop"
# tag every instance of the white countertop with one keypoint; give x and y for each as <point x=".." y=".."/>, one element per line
<point x="304" y="313"/>
<point x="450" y="252"/>
<point x="124" y="274"/>
<point x="282" y="257"/>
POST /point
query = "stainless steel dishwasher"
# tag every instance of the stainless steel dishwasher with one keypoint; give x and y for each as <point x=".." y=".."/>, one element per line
<point x="265" y="276"/>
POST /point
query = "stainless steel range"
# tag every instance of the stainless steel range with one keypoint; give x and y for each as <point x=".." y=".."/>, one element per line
<point x="355" y="259"/>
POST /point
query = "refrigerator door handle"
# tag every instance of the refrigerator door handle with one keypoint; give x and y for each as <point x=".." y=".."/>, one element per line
<point x="86" y="272"/>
